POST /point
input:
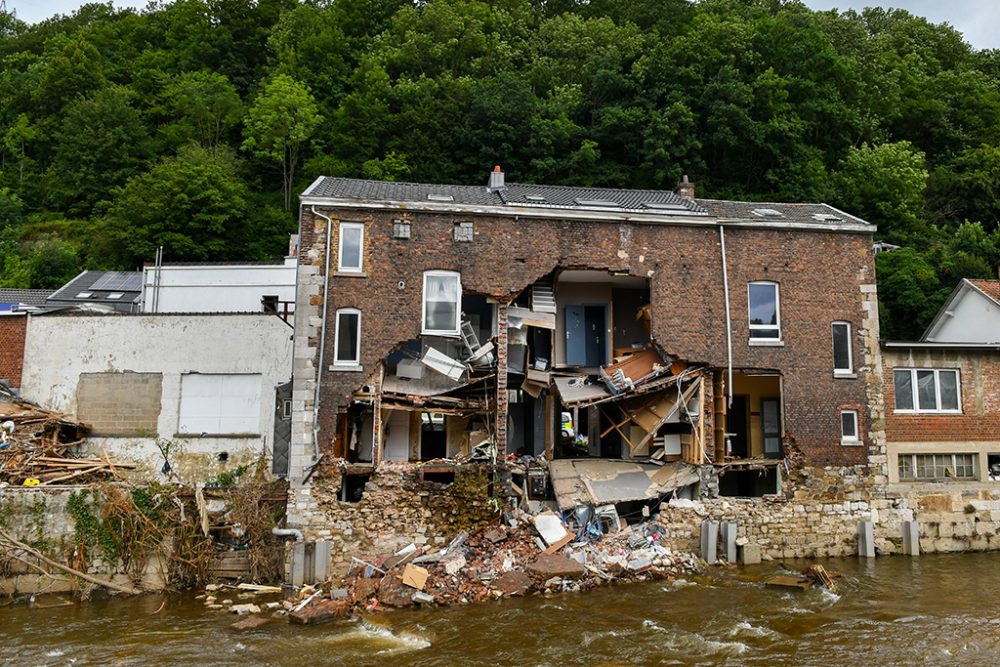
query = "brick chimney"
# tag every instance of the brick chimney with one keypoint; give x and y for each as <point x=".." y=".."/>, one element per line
<point x="496" y="180"/>
<point x="685" y="189"/>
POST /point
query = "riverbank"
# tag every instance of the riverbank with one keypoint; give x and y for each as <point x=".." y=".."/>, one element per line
<point x="936" y="609"/>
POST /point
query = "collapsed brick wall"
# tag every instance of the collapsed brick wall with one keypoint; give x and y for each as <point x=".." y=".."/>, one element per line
<point x="823" y="277"/>
<point x="12" y="333"/>
<point x="979" y="373"/>
<point x="396" y="509"/>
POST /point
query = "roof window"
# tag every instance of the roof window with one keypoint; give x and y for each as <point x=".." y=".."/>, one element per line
<point x="437" y="197"/>
<point x="84" y="295"/>
<point x="826" y="217"/>
<point x="767" y="213"/>
<point x="664" y="206"/>
<point x="603" y="203"/>
<point x="535" y="198"/>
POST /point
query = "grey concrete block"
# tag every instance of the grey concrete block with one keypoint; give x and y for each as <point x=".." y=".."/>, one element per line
<point x="866" y="539"/>
<point x="709" y="541"/>
<point x="728" y="532"/>
<point x="911" y="538"/>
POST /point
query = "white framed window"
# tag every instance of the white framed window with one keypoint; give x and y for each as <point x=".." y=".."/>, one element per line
<point x="352" y="244"/>
<point x="936" y="467"/>
<point x="927" y="390"/>
<point x="849" y="427"/>
<point x="220" y="404"/>
<point x="347" y="341"/>
<point x="764" y="310"/>
<point x="442" y="305"/>
<point x="842" y="359"/>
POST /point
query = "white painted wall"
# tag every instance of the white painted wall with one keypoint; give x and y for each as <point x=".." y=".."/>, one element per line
<point x="974" y="318"/>
<point x="59" y="348"/>
<point x="216" y="289"/>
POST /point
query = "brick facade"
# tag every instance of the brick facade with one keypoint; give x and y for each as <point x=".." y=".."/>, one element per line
<point x="12" y="331"/>
<point x="824" y="276"/>
<point x="979" y="373"/>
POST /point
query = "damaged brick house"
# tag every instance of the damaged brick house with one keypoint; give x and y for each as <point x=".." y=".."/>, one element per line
<point x="638" y="341"/>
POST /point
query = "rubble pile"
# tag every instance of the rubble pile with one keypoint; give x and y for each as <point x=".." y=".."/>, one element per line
<point x="35" y="446"/>
<point x="497" y="561"/>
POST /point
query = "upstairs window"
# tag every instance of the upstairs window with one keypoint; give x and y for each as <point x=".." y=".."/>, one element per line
<point x="442" y="302"/>
<point x="347" y="345"/>
<point x="765" y="311"/>
<point x="842" y="360"/>
<point x="352" y="242"/>
<point x="926" y="390"/>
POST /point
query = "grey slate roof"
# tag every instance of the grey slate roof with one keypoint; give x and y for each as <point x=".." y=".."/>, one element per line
<point x="100" y="284"/>
<point x="799" y="213"/>
<point x="27" y="297"/>
<point x="514" y="194"/>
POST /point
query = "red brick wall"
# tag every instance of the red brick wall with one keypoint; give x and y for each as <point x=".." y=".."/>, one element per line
<point x="12" y="328"/>
<point x="819" y="274"/>
<point x="979" y="373"/>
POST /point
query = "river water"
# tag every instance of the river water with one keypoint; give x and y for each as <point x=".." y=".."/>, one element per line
<point x="931" y="610"/>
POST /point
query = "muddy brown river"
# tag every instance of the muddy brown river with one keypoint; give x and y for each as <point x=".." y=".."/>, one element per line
<point x="932" y="610"/>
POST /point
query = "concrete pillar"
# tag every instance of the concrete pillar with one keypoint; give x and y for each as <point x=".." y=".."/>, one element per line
<point x="866" y="539"/>
<point x="709" y="541"/>
<point x="911" y="538"/>
<point x="298" y="564"/>
<point x="321" y="561"/>
<point x="728" y="533"/>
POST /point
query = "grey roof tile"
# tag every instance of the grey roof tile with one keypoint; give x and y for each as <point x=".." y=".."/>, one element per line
<point x="27" y="297"/>
<point x="88" y="281"/>
<point x="799" y="213"/>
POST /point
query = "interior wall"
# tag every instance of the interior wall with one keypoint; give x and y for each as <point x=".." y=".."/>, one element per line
<point x="756" y="387"/>
<point x="580" y="294"/>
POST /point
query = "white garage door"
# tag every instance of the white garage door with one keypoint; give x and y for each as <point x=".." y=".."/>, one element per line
<point x="220" y="404"/>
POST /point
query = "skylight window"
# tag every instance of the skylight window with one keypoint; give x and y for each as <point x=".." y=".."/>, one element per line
<point x="437" y="197"/>
<point x="536" y="198"/>
<point x="826" y="217"/>
<point x="84" y="295"/>
<point x="116" y="295"/>
<point x="664" y="206"/>
<point x="767" y="213"/>
<point x="603" y="203"/>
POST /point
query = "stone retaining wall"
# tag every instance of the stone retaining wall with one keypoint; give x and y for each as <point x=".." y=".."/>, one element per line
<point x="396" y="509"/>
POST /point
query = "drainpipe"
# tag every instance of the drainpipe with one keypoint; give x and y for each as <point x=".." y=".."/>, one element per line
<point x="729" y="323"/>
<point x="322" y="333"/>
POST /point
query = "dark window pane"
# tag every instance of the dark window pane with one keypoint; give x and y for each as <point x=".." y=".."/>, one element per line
<point x="926" y="399"/>
<point x="841" y="347"/>
<point x="347" y="337"/>
<point x="848" y="426"/>
<point x="949" y="390"/>
<point x="763" y="304"/>
<point x="904" y="390"/>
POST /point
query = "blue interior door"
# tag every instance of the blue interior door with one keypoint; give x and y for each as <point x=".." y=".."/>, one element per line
<point x="576" y="336"/>
<point x="595" y="322"/>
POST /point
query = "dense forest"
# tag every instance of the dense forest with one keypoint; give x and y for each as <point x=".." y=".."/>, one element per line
<point x="194" y="124"/>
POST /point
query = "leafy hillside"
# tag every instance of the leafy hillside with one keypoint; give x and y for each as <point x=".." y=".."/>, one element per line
<point x="193" y="124"/>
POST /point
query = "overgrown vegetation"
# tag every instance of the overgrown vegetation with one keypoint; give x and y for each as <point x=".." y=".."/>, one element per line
<point x="192" y="123"/>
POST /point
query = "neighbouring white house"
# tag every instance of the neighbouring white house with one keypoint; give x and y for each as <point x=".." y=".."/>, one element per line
<point x="970" y="315"/>
<point x="220" y="288"/>
<point x="189" y="394"/>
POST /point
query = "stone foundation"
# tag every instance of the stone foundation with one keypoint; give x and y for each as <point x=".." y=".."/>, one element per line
<point x="397" y="508"/>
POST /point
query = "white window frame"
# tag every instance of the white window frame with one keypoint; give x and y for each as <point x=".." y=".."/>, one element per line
<point x="914" y="477"/>
<point x="846" y="439"/>
<point x="347" y="363"/>
<point x="361" y="248"/>
<point x="216" y="407"/>
<point x="458" y="305"/>
<point x="777" y="314"/>
<point x="917" y="409"/>
<point x="849" y="371"/>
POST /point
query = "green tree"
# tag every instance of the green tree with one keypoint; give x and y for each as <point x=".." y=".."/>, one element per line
<point x="207" y="106"/>
<point x="885" y="185"/>
<point x="909" y="293"/>
<point x="281" y="121"/>
<point x="191" y="204"/>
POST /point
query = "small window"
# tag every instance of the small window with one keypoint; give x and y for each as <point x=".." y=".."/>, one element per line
<point x="765" y="311"/>
<point x="849" y="427"/>
<point x="442" y="300"/>
<point x="116" y="295"/>
<point x="286" y="410"/>
<point x="84" y="295"/>
<point x="352" y="242"/>
<point x="936" y="467"/>
<point x="400" y="229"/>
<point x="926" y="390"/>
<point x="842" y="348"/>
<point x="463" y="231"/>
<point x="347" y="346"/>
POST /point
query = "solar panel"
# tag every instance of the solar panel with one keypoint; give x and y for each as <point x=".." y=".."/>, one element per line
<point x="119" y="281"/>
